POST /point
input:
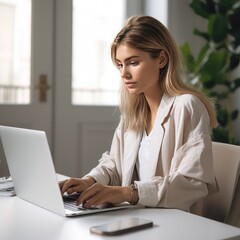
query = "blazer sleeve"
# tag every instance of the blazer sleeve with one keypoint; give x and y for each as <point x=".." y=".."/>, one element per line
<point x="182" y="187"/>
<point x="109" y="169"/>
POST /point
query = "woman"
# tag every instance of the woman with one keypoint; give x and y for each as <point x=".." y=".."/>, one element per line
<point x="161" y="153"/>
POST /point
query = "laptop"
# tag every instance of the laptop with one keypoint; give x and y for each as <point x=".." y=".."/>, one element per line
<point x="34" y="178"/>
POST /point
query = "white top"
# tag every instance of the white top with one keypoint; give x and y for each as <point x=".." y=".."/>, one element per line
<point x="144" y="161"/>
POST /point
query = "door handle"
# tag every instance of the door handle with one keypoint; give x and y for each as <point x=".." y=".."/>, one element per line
<point x="43" y="87"/>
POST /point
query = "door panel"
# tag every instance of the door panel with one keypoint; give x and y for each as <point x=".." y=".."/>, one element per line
<point x="36" y="115"/>
<point x="81" y="133"/>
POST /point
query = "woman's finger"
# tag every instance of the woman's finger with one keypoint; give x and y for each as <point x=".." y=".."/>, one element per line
<point x="89" y="193"/>
<point x="61" y="183"/>
<point x="95" y="200"/>
<point x="72" y="182"/>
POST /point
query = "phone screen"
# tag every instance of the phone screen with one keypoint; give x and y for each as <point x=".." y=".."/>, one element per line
<point x="122" y="226"/>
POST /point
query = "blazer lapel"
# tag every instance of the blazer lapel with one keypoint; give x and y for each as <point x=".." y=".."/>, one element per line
<point x="132" y="142"/>
<point x="158" y="131"/>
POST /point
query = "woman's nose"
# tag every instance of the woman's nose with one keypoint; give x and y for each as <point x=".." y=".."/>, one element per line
<point x="125" y="73"/>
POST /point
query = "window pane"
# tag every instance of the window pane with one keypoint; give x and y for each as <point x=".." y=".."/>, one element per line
<point x="95" y="81"/>
<point x="15" y="51"/>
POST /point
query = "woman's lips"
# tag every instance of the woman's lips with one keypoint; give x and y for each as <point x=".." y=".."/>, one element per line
<point x="130" y="84"/>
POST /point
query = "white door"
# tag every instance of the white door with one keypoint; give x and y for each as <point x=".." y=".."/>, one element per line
<point x="78" y="134"/>
<point x="82" y="132"/>
<point x="32" y="112"/>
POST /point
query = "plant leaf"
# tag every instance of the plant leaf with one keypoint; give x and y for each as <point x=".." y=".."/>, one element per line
<point x="222" y="117"/>
<point x="234" y="61"/>
<point x="218" y="27"/>
<point x="199" y="8"/>
<point x="217" y="62"/>
<point x="199" y="33"/>
<point x="235" y="84"/>
<point x="234" y="19"/>
<point x="220" y="135"/>
<point x="188" y="57"/>
<point x="234" y="114"/>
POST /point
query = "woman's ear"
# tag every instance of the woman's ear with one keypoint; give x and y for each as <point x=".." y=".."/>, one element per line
<point x="163" y="59"/>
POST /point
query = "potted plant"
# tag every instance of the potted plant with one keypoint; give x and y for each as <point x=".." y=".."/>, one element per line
<point x="213" y="69"/>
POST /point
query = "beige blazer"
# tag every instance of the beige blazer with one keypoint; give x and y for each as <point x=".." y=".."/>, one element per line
<point x="181" y="150"/>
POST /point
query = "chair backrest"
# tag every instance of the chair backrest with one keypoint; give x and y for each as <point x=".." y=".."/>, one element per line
<point x="233" y="217"/>
<point x="226" y="162"/>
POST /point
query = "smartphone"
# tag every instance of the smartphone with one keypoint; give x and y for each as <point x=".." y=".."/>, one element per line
<point x="120" y="227"/>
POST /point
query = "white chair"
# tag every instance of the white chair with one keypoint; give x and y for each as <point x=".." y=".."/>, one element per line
<point x="233" y="217"/>
<point x="226" y="162"/>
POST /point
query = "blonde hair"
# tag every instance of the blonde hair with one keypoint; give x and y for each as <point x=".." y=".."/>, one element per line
<point x="149" y="35"/>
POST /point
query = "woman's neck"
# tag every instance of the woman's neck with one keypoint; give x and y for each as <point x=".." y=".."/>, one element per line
<point x="153" y="102"/>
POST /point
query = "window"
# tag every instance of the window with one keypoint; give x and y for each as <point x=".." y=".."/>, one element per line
<point x="15" y="51"/>
<point x="95" y="80"/>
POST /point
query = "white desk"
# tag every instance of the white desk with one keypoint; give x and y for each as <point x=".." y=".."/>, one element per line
<point x="20" y="220"/>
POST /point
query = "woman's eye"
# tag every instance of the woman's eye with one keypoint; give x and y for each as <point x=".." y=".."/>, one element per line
<point x="119" y="65"/>
<point x="133" y="63"/>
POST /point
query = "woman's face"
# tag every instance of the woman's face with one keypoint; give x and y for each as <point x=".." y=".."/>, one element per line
<point x="139" y="71"/>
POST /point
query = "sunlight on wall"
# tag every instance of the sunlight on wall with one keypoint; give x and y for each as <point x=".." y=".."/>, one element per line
<point x="95" y="81"/>
<point x="15" y="51"/>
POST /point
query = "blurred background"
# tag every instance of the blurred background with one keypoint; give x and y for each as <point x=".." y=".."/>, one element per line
<point x="56" y="72"/>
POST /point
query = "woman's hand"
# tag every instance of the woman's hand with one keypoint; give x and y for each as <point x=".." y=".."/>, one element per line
<point x="73" y="185"/>
<point x="99" y="194"/>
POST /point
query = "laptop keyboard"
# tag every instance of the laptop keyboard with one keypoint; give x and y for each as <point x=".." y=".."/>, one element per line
<point x="72" y="206"/>
<point x="70" y="202"/>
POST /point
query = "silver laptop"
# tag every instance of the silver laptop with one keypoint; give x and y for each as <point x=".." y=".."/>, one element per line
<point x="32" y="170"/>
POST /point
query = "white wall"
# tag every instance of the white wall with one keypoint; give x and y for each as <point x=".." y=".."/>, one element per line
<point x="182" y="20"/>
<point x="157" y="9"/>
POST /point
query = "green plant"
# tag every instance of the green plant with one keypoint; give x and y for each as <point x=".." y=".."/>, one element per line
<point x="213" y="69"/>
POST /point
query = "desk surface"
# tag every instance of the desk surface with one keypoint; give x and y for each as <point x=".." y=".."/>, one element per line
<point x="24" y="221"/>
